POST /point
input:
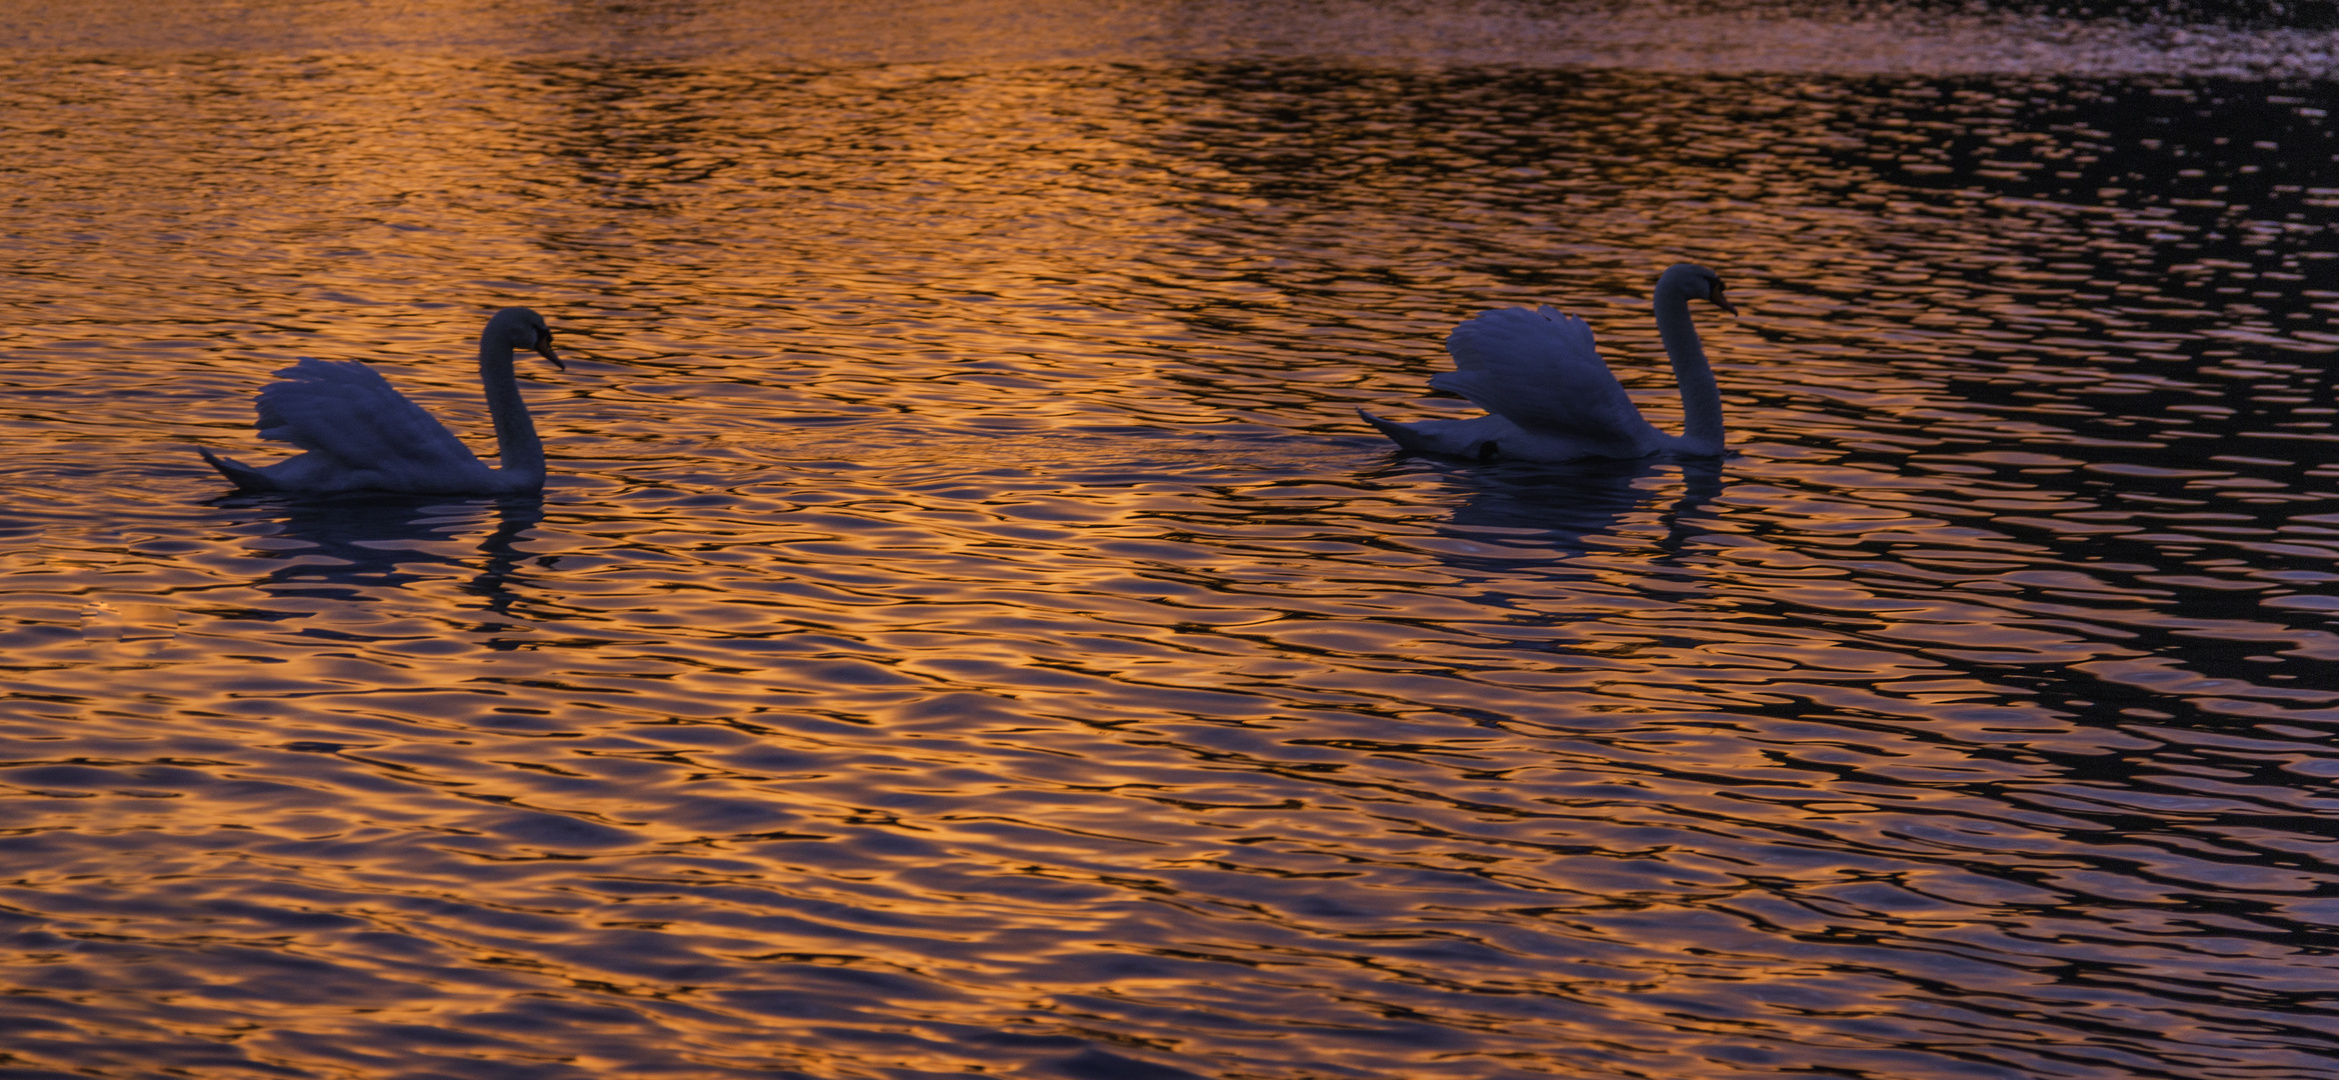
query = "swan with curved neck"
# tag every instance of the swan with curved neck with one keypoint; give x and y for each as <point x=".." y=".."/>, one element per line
<point x="1549" y="396"/>
<point x="358" y="434"/>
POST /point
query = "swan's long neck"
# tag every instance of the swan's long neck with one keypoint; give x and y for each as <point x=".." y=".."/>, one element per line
<point x="515" y="435"/>
<point x="1701" y="399"/>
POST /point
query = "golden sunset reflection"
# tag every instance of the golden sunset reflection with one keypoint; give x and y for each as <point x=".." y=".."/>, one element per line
<point x="968" y="631"/>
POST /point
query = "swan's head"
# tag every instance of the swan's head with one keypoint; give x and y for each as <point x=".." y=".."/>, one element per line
<point x="1696" y="283"/>
<point x="521" y="328"/>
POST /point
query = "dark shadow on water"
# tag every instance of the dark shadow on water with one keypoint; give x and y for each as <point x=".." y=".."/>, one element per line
<point x="342" y="546"/>
<point x="1566" y="508"/>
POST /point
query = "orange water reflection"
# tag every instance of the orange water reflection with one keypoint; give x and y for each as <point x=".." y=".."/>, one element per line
<point x="968" y="628"/>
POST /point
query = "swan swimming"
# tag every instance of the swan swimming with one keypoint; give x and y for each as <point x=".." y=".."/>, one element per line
<point x="358" y="434"/>
<point x="1550" y="397"/>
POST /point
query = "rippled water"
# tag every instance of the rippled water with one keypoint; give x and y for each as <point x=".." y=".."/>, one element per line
<point x="968" y="631"/>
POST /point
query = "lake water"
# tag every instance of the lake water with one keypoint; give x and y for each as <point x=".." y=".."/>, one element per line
<point x="968" y="631"/>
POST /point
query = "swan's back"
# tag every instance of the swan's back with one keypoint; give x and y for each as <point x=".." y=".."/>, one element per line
<point x="362" y="432"/>
<point x="1538" y="369"/>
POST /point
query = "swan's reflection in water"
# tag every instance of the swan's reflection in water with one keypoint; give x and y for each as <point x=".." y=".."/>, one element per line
<point x="348" y="547"/>
<point x="1575" y="508"/>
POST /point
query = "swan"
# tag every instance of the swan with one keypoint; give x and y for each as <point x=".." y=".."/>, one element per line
<point x="1550" y="397"/>
<point x="361" y="435"/>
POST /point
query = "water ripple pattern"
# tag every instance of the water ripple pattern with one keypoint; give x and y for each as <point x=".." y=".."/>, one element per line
<point x="968" y="632"/>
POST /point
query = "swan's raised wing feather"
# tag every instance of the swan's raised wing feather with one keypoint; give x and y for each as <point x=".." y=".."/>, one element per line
<point x="1538" y="369"/>
<point x="344" y="410"/>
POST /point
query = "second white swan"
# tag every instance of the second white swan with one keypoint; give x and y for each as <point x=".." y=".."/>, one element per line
<point x="358" y="434"/>
<point x="1549" y="396"/>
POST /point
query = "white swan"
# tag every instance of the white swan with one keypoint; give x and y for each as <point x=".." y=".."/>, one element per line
<point x="1551" y="398"/>
<point x="361" y="435"/>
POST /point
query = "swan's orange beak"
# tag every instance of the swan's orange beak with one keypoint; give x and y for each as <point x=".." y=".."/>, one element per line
<point x="544" y="349"/>
<point x="1725" y="305"/>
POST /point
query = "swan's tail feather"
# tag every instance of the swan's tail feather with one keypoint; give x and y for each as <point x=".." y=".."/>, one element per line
<point x="241" y="475"/>
<point x="1405" y="437"/>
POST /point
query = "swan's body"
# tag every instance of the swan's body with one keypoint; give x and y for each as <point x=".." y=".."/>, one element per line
<point x="1549" y="396"/>
<point x="361" y="435"/>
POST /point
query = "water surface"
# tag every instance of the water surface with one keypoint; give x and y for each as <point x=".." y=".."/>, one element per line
<point x="968" y="632"/>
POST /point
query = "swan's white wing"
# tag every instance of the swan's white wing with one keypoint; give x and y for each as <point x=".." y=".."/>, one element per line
<point x="345" y="411"/>
<point x="1538" y="369"/>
